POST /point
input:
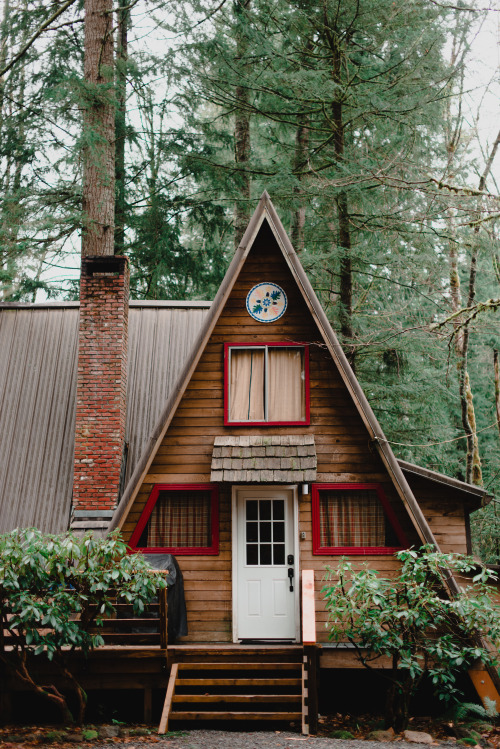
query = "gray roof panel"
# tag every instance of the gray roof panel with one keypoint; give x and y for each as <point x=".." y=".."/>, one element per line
<point x="38" y="359"/>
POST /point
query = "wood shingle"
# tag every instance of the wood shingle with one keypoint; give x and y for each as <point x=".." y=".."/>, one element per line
<point x="288" y="459"/>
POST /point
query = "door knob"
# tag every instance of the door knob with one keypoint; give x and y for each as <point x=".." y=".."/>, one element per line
<point x="290" y="577"/>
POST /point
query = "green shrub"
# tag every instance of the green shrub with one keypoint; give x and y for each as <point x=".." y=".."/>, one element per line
<point x="410" y="619"/>
<point x="54" y="590"/>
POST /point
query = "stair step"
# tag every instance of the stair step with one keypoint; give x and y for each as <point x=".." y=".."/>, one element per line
<point x="239" y="682"/>
<point x="230" y="653"/>
<point x="209" y="715"/>
<point x="265" y="688"/>
<point x="238" y="666"/>
<point x="265" y="698"/>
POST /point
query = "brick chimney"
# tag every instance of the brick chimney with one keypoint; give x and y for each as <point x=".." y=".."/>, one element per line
<point x="101" y="390"/>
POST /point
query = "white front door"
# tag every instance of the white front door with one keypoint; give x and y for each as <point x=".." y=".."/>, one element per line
<point x="264" y="595"/>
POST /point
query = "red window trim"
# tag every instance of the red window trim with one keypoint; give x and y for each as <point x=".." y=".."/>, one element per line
<point x="178" y="550"/>
<point x="354" y="550"/>
<point x="289" y="344"/>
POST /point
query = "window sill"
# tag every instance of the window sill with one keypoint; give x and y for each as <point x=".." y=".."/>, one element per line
<point x="357" y="550"/>
<point x="228" y="423"/>
<point x="176" y="551"/>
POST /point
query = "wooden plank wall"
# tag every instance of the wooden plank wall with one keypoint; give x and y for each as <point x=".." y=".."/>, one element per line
<point x="445" y="514"/>
<point x="344" y="452"/>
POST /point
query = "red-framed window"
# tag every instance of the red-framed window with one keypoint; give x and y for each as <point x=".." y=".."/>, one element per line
<point x="266" y="384"/>
<point x="354" y="519"/>
<point x="179" y="519"/>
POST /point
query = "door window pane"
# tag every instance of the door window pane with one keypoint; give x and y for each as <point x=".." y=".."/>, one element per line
<point x="265" y="535"/>
<point x="265" y="554"/>
<point x="278" y="531"/>
<point x="264" y="509"/>
<point x="279" y="554"/>
<point x="278" y="509"/>
<point x="252" y="554"/>
<point x="265" y="531"/>
<point x="252" y="532"/>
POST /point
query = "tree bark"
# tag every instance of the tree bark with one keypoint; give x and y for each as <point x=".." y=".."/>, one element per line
<point x="11" y="215"/>
<point x="123" y="15"/>
<point x="299" y="162"/>
<point x="47" y="692"/>
<point x="496" y="370"/>
<point x="473" y="463"/>
<point x="342" y="201"/>
<point x="241" y="129"/>
<point x="98" y="130"/>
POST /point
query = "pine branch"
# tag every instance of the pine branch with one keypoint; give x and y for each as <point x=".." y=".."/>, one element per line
<point x="474" y="309"/>
<point x="35" y="36"/>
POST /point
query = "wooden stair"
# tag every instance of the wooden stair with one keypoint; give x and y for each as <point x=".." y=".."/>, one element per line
<point x="239" y="689"/>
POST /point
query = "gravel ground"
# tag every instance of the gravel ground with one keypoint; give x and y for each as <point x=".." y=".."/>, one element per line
<point x="258" y="740"/>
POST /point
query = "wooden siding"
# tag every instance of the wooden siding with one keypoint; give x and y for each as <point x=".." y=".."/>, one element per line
<point x="446" y="515"/>
<point x="343" y="448"/>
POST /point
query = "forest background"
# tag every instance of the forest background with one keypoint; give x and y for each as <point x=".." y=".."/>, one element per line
<point x="363" y="121"/>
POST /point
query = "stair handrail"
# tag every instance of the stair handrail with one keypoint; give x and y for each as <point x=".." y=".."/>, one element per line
<point x="163" y="616"/>
<point x="308" y="608"/>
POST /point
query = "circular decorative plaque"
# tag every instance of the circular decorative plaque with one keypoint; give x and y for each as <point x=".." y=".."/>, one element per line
<point x="266" y="302"/>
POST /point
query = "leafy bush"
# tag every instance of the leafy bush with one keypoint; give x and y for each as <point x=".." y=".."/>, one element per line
<point x="55" y="589"/>
<point x="410" y="619"/>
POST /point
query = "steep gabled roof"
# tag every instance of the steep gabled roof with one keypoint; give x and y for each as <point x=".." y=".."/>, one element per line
<point x="265" y="212"/>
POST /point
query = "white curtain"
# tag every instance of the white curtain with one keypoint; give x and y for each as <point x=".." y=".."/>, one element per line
<point x="286" y="384"/>
<point x="246" y="394"/>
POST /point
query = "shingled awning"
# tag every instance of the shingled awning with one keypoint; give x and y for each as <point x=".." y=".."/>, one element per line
<point x="281" y="459"/>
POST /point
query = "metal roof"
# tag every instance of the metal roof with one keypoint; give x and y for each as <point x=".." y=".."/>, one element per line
<point x="38" y="356"/>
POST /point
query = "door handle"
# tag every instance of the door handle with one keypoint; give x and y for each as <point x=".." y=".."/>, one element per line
<point x="290" y="577"/>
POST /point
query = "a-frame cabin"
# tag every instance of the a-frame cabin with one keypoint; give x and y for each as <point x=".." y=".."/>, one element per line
<point x="267" y="464"/>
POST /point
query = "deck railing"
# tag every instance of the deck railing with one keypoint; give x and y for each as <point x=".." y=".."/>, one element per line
<point x="123" y="627"/>
<point x="309" y="666"/>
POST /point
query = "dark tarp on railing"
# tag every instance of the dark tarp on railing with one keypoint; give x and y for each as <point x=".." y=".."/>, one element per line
<point x="176" y="602"/>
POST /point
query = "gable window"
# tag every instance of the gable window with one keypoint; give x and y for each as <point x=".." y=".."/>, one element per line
<point x="354" y="519"/>
<point x="179" y="519"/>
<point x="266" y="384"/>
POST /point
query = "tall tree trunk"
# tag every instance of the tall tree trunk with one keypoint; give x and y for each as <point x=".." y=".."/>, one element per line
<point x="342" y="201"/>
<point x="241" y="128"/>
<point x="98" y="130"/>
<point x="4" y="49"/>
<point x="12" y="95"/>
<point x="473" y="466"/>
<point x="122" y="22"/>
<point x="496" y="370"/>
<point x="299" y="163"/>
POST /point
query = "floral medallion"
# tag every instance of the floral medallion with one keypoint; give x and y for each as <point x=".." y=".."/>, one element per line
<point x="266" y="302"/>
